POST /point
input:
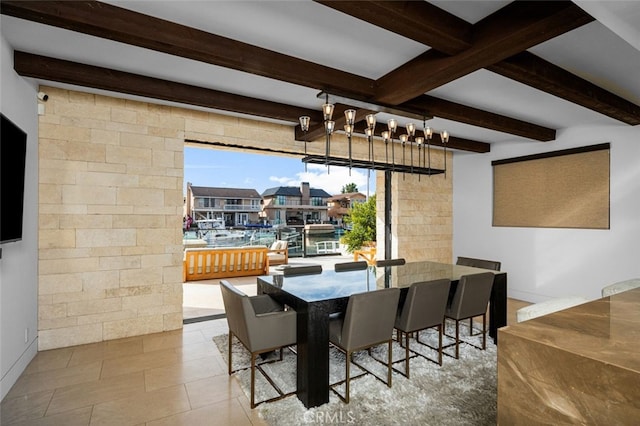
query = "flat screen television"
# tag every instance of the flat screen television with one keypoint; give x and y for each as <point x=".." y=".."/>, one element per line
<point x="13" y="149"/>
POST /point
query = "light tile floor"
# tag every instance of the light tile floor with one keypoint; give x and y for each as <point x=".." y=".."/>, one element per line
<point x="172" y="378"/>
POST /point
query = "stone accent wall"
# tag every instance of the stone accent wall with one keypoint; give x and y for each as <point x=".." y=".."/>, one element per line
<point x="421" y="214"/>
<point x="111" y="207"/>
<point x="110" y="219"/>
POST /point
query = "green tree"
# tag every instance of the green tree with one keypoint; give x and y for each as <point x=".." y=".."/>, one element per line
<point x="362" y="217"/>
<point x="349" y="188"/>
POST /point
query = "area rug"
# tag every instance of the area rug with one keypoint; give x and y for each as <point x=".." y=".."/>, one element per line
<point x="460" y="392"/>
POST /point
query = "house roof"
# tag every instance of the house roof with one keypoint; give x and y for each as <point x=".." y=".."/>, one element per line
<point x="294" y="191"/>
<point x="320" y="193"/>
<point x="206" y="191"/>
<point x="347" y="196"/>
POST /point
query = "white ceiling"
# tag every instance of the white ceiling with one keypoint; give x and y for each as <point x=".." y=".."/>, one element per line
<point x="605" y="52"/>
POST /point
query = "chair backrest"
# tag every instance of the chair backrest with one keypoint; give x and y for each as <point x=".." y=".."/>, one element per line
<point x="621" y="286"/>
<point x="369" y="318"/>
<point x="351" y="266"/>
<point x="478" y="263"/>
<point x="391" y="262"/>
<point x="472" y="295"/>
<point x="424" y="306"/>
<point x="302" y="270"/>
<point x="237" y="307"/>
<point x="279" y="245"/>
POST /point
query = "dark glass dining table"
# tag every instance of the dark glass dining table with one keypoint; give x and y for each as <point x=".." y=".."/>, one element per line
<point x="316" y="296"/>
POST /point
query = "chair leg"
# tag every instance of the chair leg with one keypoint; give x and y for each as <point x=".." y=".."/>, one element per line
<point x="230" y="345"/>
<point x="347" y="378"/>
<point x="406" y="354"/>
<point x="389" y="367"/>
<point x="457" y="339"/>
<point x="440" y="344"/>
<point x="253" y="380"/>
<point x="484" y="331"/>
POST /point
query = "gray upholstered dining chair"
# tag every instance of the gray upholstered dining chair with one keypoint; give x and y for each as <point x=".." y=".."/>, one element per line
<point x="351" y="266"/>
<point x="478" y="263"/>
<point x="367" y="322"/>
<point x="302" y="270"/>
<point x="470" y="299"/>
<point x="391" y="262"/>
<point x="423" y="308"/>
<point x="261" y="325"/>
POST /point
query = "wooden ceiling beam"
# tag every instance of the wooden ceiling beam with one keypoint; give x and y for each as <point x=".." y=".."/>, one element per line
<point x="42" y="67"/>
<point x="510" y="30"/>
<point x="35" y="66"/>
<point x="523" y="67"/>
<point x="126" y="26"/>
<point x="453" y="111"/>
<point x="454" y="142"/>
<point x="427" y="107"/>
<point x="103" y="20"/>
<point x="420" y="21"/>
<point x="536" y="72"/>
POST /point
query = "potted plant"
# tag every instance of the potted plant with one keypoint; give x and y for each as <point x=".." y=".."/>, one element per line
<point x="362" y="217"/>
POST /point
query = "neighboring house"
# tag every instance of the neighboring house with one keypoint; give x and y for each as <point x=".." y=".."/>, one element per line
<point x="290" y="205"/>
<point x="340" y="205"/>
<point x="233" y="206"/>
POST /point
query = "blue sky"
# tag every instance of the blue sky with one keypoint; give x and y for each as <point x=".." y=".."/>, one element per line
<point x="229" y="169"/>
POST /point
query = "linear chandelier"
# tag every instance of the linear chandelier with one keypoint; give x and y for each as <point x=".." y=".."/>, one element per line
<point x="410" y="138"/>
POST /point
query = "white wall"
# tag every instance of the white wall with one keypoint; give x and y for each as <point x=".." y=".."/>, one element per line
<point x="19" y="263"/>
<point x="543" y="263"/>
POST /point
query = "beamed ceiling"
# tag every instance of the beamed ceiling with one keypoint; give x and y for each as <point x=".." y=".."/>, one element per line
<point x="487" y="71"/>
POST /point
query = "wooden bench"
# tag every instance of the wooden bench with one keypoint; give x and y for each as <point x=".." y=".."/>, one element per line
<point x="224" y="262"/>
<point x="367" y="253"/>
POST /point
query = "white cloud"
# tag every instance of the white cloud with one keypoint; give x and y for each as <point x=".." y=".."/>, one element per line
<point x="331" y="180"/>
<point x="283" y="181"/>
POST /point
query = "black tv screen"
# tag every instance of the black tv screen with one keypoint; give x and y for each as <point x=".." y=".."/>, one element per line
<point x="13" y="149"/>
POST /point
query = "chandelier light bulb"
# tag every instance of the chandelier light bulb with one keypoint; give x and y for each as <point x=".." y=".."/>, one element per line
<point x="329" y="126"/>
<point x="348" y="129"/>
<point x="428" y="132"/>
<point x="327" y="111"/>
<point x="369" y="132"/>
<point x="304" y="123"/>
<point x="444" y="135"/>
<point x="404" y="138"/>
<point x="350" y="116"/>
<point x="392" y="124"/>
<point x="411" y="129"/>
<point x="419" y="140"/>
<point x="385" y="135"/>
<point x="371" y="121"/>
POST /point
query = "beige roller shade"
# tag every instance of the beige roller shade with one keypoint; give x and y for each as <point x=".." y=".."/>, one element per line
<point x="561" y="189"/>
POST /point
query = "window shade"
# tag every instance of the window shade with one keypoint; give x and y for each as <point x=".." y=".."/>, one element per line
<point x="561" y="189"/>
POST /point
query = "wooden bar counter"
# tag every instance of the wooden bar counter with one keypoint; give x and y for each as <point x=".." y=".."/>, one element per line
<point x="577" y="366"/>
